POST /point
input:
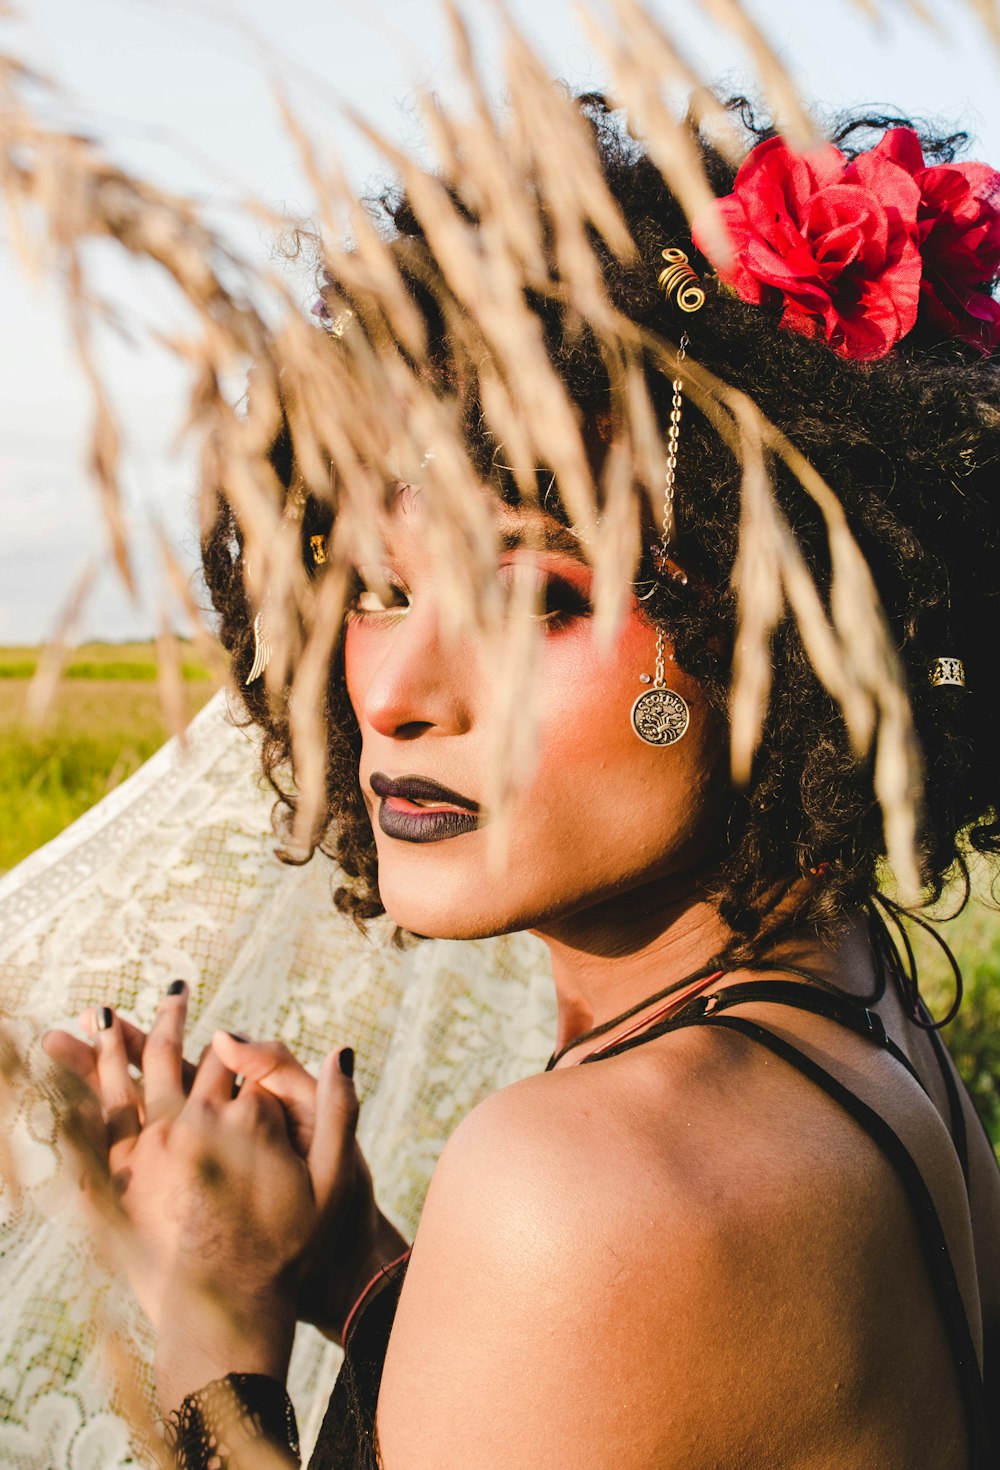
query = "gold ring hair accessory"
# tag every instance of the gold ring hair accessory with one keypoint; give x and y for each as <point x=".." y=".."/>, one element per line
<point x="318" y="546"/>
<point x="660" y="716"/>
<point x="947" y="671"/>
<point x="679" y="281"/>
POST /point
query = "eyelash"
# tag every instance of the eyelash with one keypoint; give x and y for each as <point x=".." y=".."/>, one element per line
<point x="359" y="588"/>
<point x="561" y="599"/>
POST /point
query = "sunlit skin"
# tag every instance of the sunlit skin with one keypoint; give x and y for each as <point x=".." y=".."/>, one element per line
<point x="683" y="1258"/>
<point x="610" y="839"/>
<point x="621" y="1173"/>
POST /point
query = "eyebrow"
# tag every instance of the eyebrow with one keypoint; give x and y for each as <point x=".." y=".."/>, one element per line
<point x="518" y="530"/>
<point x="541" y="534"/>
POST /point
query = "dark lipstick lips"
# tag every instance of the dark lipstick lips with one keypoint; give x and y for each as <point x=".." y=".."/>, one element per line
<point x="419" y="788"/>
<point x="422" y="826"/>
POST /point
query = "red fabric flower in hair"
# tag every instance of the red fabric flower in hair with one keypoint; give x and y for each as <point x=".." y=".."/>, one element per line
<point x="958" y="224"/>
<point x="832" y="243"/>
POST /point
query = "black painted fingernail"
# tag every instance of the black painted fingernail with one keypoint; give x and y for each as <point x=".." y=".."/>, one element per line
<point x="104" y="1018"/>
<point x="177" y="987"/>
<point x="346" y="1060"/>
<point x="238" y="1036"/>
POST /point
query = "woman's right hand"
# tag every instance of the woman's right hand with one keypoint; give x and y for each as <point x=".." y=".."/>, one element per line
<point x="354" y="1240"/>
<point x="351" y="1240"/>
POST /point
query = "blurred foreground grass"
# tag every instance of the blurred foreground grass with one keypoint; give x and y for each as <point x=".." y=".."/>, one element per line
<point x="105" y="722"/>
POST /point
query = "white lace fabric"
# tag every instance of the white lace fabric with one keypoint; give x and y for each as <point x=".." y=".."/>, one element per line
<point x="173" y="876"/>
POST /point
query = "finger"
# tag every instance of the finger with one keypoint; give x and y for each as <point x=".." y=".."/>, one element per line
<point x="258" y="1111"/>
<point x="133" y="1038"/>
<point x="75" y="1055"/>
<point x="162" y="1058"/>
<point x="336" y="1124"/>
<point x="88" y="1019"/>
<point x="272" y="1066"/>
<point x="80" y="1087"/>
<point x="213" y="1082"/>
<point x="135" y="1042"/>
<point x="119" y="1095"/>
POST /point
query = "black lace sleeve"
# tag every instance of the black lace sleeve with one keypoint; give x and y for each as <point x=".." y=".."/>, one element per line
<point x="212" y="1426"/>
<point x="347" y="1439"/>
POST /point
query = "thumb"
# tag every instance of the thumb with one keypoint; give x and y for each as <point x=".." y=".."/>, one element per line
<point x="332" y="1153"/>
<point x="273" y="1067"/>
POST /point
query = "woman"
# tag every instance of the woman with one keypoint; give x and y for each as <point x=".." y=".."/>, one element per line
<point x="747" y="1215"/>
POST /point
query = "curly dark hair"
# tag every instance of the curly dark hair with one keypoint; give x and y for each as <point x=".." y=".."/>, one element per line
<point x="911" y="444"/>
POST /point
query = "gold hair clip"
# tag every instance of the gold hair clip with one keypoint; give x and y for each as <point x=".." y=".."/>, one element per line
<point x="679" y="281"/>
<point x="947" y="671"/>
<point x="318" y="546"/>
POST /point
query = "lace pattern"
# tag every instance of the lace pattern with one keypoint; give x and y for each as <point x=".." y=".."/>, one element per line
<point x="173" y="876"/>
<point x="213" y="1428"/>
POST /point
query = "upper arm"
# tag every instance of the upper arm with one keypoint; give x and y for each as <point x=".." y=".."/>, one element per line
<point x="720" y="1270"/>
<point x="565" y="1305"/>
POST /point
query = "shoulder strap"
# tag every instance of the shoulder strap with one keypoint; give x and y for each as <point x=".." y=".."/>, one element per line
<point x="854" y="1014"/>
<point x="932" y="1238"/>
<point x="834" y="1005"/>
<point x="958" y="1133"/>
<point x="821" y="1000"/>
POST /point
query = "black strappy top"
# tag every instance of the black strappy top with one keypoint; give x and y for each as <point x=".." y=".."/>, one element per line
<point x="347" y="1438"/>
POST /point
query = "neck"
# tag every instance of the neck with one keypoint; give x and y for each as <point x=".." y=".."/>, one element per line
<point x="614" y="954"/>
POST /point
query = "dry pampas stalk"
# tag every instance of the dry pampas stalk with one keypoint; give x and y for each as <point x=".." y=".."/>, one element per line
<point x="364" y="417"/>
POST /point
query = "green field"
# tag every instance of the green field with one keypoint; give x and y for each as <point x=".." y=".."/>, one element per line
<point x="107" y="720"/>
<point x="973" y="1037"/>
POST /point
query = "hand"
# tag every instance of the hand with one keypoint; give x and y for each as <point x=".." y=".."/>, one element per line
<point x="354" y="1240"/>
<point x="223" y="1209"/>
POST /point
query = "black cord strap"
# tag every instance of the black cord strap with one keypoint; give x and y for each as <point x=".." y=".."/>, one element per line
<point x="934" y="1245"/>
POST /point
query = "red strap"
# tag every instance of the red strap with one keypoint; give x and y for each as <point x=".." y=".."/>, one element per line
<point x="382" y="1271"/>
<point x="675" y="1002"/>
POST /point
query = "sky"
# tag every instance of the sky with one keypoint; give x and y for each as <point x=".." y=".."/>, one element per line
<point x="183" y="92"/>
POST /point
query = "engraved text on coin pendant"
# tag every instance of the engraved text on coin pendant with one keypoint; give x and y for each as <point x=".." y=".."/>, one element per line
<point x="660" y="716"/>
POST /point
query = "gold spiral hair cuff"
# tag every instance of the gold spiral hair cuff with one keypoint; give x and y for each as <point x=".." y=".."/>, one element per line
<point x="679" y="281"/>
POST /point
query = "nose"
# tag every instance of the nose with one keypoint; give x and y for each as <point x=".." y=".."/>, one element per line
<point x="423" y="683"/>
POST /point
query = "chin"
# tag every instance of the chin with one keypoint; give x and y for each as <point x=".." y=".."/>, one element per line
<point x="441" y="921"/>
<point x="436" y="909"/>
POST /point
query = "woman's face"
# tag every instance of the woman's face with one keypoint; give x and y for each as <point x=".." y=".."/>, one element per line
<point x="601" y="813"/>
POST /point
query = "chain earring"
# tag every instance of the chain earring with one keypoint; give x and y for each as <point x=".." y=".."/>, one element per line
<point x="660" y="716"/>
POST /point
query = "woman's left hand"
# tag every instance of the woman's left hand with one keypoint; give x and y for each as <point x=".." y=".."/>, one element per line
<point x="222" y="1206"/>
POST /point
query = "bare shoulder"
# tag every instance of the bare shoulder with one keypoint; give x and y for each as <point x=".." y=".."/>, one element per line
<point x="636" y="1264"/>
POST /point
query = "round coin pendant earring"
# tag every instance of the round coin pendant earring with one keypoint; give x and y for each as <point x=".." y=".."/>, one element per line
<point x="660" y="716"/>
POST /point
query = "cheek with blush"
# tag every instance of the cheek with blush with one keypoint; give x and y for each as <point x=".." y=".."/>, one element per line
<point x="631" y="796"/>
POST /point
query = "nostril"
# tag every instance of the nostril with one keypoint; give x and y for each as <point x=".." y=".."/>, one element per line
<point x="412" y="729"/>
